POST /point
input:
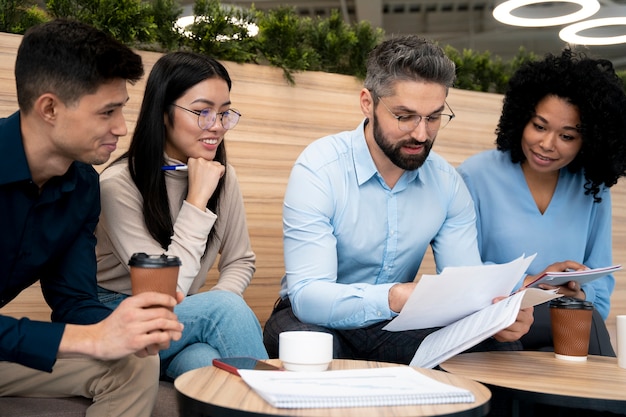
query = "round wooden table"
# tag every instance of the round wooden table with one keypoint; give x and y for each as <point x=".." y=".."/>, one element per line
<point x="210" y="391"/>
<point x="538" y="377"/>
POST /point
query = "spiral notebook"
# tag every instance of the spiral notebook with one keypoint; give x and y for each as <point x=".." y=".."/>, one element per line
<point x="388" y="386"/>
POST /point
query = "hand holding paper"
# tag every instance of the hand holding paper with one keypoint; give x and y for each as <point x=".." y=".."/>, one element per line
<point x="443" y="344"/>
<point x="582" y="277"/>
<point x="460" y="300"/>
<point x="439" y="300"/>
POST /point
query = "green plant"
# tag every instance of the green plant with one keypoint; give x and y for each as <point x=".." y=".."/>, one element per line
<point x="328" y="44"/>
<point x="480" y="71"/>
<point x="367" y="38"/>
<point x="222" y="32"/>
<point x="474" y="71"/>
<point x="129" y="21"/>
<point x="342" y="48"/>
<point x="18" y="15"/>
<point x="282" y="41"/>
<point x="165" y="14"/>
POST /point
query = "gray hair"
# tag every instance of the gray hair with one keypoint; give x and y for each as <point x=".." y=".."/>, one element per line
<point x="407" y="58"/>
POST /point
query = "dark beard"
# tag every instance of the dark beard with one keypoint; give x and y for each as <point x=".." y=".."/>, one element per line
<point x="394" y="152"/>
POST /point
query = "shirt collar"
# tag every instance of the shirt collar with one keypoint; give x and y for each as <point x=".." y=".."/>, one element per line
<point x="363" y="162"/>
<point x="14" y="167"/>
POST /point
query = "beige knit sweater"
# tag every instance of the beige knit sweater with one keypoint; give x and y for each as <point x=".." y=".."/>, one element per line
<point x="122" y="232"/>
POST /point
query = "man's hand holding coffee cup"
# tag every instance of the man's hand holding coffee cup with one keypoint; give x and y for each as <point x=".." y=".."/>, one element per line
<point x="135" y="327"/>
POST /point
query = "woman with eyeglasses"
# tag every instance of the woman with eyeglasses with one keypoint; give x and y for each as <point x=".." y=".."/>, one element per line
<point x="173" y="192"/>
<point x="561" y="145"/>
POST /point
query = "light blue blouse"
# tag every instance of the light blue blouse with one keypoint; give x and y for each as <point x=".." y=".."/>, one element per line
<point x="348" y="237"/>
<point x="509" y="223"/>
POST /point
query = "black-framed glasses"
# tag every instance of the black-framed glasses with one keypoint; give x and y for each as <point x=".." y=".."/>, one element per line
<point x="207" y="117"/>
<point x="434" y="122"/>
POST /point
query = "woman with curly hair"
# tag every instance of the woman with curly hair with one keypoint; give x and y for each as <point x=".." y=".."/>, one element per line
<point x="561" y="145"/>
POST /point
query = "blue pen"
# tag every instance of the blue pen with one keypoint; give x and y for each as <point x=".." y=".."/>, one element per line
<point x="174" y="168"/>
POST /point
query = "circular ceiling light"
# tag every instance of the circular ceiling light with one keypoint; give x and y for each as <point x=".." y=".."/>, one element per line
<point x="502" y="13"/>
<point x="570" y="33"/>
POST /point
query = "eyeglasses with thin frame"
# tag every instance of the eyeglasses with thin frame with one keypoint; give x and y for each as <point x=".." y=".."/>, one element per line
<point x="434" y="122"/>
<point x="207" y="117"/>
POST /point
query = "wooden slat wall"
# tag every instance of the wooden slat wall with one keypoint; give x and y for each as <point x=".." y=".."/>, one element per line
<point x="279" y="121"/>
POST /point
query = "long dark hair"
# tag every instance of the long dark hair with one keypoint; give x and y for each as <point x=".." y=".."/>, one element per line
<point x="172" y="75"/>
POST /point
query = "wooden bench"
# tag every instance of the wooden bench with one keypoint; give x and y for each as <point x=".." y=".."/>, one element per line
<point x="278" y="121"/>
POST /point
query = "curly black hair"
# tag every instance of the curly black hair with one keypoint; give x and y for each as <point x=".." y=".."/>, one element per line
<point x="594" y="88"/>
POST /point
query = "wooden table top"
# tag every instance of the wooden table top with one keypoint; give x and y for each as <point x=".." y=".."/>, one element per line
<point x="216" y="392"/>
<point x="597" y="383"/>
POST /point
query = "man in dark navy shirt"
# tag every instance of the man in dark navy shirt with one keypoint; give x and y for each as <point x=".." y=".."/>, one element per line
<point x="71" y="87"/>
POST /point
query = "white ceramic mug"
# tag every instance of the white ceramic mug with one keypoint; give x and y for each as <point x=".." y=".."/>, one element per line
<point x="305" y="350"/>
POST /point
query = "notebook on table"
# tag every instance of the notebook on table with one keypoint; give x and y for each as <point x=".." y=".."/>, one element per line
<point x="388" y="386"/>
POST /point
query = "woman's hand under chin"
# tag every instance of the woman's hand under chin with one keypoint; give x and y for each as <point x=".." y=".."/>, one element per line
<point x="203" y="177"/>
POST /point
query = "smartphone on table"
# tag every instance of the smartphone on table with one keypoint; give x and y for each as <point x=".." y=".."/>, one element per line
<point x="233" y="364"/>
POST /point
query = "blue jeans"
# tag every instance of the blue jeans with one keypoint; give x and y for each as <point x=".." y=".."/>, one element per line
<point x="217" y="324"/>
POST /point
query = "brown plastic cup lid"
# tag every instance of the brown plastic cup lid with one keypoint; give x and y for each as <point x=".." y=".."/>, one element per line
<point x="571" y="303"/>
<point x="144" y="260"/>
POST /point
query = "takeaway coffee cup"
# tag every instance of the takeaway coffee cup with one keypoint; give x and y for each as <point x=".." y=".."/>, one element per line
<point x="154" y="273"/>
<point x="571" y="327"/>
<point x="305" y="350"/>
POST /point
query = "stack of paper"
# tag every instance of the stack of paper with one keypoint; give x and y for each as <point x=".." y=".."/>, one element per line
<point x="463" y="334"/>
<point x="439" y="300"/>
<point x="460" y="300"/>
<point x="389" y="386"/>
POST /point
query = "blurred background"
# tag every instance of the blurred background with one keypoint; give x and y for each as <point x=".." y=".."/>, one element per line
<point x="462" y="24"/>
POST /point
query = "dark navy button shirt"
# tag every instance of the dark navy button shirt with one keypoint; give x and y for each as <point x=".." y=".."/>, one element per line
<point x="47" y="236"/>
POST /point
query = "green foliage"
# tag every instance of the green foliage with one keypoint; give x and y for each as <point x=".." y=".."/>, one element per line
<point x="165" y="13"/>
<point x="129" y="21"/>
<point x="367" y="38"/>
<point x="321" y="44"/>
<point x="342" y="48"/>
<point x="222" y="32"/>
<point x="475" y="71"/>
<point x="18" y="15"/>
<point x="483" y="72"/>
<point x="284" y="40"/>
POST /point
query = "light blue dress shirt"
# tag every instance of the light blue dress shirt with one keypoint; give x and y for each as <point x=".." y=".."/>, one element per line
<point x="348" y="237"/>
<point x="509" y="223"/>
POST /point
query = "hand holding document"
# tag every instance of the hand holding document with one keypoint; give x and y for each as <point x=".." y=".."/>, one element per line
<point x="439" y="300"/>
<point x="460" y="300"/>
<point x="461" y="335"/>
<point x="582" y="277"/>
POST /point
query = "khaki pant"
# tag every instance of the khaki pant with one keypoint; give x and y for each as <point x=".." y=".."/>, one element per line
<point x="126" y="387"/>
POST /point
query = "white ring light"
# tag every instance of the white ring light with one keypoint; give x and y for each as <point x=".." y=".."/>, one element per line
<point x="502" y="13"/>
<point x="570" y="33"/>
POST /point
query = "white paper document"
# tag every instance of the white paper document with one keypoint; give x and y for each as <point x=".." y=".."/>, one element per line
<point x="388" y="386"/>
<point x="439" y="300"/>
<point x="463" y="334"/>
